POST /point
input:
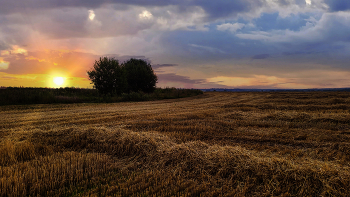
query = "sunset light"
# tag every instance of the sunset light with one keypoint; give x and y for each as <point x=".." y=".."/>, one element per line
<point x="232" y="44"/>
<point x="3" y="65"/>
<point x="58" y="81"/>
<point x="180" y="98"/>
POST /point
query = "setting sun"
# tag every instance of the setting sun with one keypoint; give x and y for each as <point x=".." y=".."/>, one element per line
<point x="58" y="80"/>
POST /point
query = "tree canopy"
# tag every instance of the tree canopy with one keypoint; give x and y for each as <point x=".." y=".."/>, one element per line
<point x="139" y="75"/>
<point x="134" y="75"/>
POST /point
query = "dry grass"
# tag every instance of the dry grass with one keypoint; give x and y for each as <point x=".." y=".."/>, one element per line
<point x="216" y="144"/>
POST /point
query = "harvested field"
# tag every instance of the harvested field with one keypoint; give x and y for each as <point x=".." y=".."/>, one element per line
<point x="215" y="144"/>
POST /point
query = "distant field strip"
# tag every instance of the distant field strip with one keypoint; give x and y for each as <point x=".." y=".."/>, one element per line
<point x="214" y="144"/>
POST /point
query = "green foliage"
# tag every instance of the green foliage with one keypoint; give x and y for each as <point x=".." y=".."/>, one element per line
<point x="107" y="76"/>
<point x="139" y="76"/>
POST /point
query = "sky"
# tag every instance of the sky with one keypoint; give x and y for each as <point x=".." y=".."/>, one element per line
<point x="189" y="43"/>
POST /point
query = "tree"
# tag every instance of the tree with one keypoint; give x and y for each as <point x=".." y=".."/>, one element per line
<point x="108" y="76"/>
<point x="139" y="76"/>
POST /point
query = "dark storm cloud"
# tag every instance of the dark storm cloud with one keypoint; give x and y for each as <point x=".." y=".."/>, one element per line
<point x="3" y="45"/>
<point x="27" y="5"/>
<point x="291" y="2"/>
<point x="192" y="83"/>
<point x="283" y="2"/>
<point x="58" y="19"/>
<point x="338" y="5"/>
<point x="157" y="66"/>
<point x="220" y="46"/>
<point x="214" y="9"/>
<point x="222" y="8"/>
<point x="172" y="77"/>
<point x="269" y="21"/>
<point x="296" y="53"/>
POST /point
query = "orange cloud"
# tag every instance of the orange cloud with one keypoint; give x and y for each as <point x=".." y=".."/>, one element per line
<point x="299" y="80"/>
<point x="257" y="81"/>
<point x="3" y="64"/>
<point x="15" y="50"/>
<point x="41" y="60"/>
<point x="37" y="59"/>
<point x="5" y="53"/>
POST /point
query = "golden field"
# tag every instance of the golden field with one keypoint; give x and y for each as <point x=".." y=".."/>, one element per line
<point x="215" y="144"/>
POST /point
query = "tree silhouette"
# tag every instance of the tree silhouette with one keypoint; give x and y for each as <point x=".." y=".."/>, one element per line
<point x="108" y="76"/>
<point x="133" y="75"/>
<point x="139" y="76"/>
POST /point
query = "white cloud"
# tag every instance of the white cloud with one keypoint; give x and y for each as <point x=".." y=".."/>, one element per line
<point x="91" y="15"/>
<point x="171" y="18"/>
<point x="331" y="27"/>
<point x="146" y="15"/>
<point x="230" y="27"/>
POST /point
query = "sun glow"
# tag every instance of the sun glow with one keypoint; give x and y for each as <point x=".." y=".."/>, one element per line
<point x="58" y="81"/>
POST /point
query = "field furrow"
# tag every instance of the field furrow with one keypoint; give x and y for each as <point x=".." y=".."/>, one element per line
<point x="215" y="144"/>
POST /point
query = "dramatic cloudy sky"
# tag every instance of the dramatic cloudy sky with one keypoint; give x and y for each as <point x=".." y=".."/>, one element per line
<point x="190" y="43"/>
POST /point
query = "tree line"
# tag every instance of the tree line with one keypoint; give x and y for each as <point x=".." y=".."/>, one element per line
<point x="110" y="77"/>
<point x="132" y="80"/>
